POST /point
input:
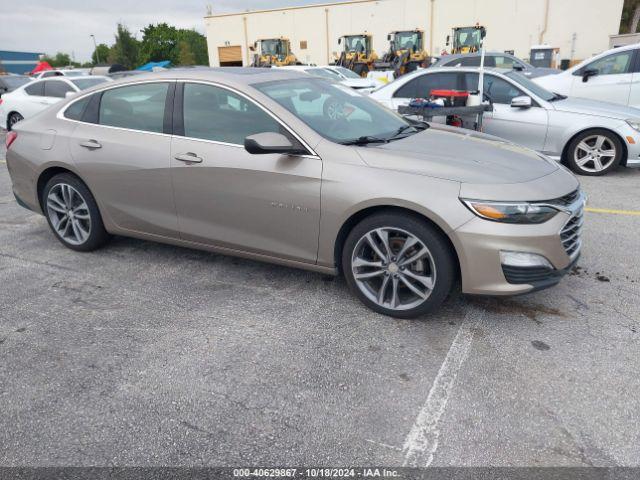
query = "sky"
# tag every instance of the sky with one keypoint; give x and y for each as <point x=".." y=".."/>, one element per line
<point x="50" y="26"/>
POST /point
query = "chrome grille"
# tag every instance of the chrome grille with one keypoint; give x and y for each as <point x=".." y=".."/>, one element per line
<point x="570" y="234"/>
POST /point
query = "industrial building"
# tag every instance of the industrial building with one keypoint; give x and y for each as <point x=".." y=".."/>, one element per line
<point x="578" y="29"/>
<point x="18" y="62"/>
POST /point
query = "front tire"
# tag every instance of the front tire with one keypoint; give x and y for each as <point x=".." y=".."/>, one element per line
<point x="398" y="265"/>
<point x="72" y="213"/>
<point x="14" y="118"/>
<point x="594" y="152"/>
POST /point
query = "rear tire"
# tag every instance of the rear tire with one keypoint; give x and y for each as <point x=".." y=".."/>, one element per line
<point x="398" y="264"/>
<point x="594" y="152"/>
<point x="13" y="118"/>
<point x="72" y="213"/>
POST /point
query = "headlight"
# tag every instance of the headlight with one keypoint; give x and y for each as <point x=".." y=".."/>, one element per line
<point x="508" y="212"/>
<point x="634" y="123"/>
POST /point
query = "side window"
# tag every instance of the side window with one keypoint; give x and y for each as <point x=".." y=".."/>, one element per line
<point x="137" y="107"/>
<point x="50" y="74"/>
<point x="499" y="90"/>
<point x="56" y="88"/>
<point x="472" y="61"/>
<point x="504" y="62"/>
<point x="76" y="110"/>
<point x="35" y="89"/>
<point x="213" y="113"/>
<point x="421" y="87"/>
<point x="615" y="64"/>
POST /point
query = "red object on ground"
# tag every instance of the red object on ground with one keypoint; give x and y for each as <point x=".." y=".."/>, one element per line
<point x="11" y="137"/>
<point x="41" y="67"/>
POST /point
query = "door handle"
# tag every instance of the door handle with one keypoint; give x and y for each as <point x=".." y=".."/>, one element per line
<point x="91" y="144"/>
<point x="189" y="157"/>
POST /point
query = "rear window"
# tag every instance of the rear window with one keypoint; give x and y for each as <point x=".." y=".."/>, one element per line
<point x="85" y="83"/>
<point x="36" y="89"/>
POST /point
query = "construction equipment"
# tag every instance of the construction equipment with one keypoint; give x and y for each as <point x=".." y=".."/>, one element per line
<point x="467" y="39"/>
<point x="406" y="52"/>
<point x="273" y="52"/>
<point x="357" y="53"/>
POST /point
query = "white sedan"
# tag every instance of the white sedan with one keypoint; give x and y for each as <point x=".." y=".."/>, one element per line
<point x="36" y="96"/>
<point x="612" y="76"/>
<point x="592" y="138"/>
<point x="339" y="74"/>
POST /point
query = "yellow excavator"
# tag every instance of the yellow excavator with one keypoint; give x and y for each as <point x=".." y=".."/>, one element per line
<point x="273" y="52"/>
<point x="406" y="52"/>
<point x="467" y="39"/>
<point x="357" y="53"/>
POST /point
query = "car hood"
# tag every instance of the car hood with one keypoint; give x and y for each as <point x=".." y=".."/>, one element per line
<point x="595" y="107"/>
<point x="359" y="83"/>
<point x="460" y="155"/>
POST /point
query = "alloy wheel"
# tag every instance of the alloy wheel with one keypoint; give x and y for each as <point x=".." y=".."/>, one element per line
<point x="69" y="214"/>
<point x="393" y="268"/>
<point x="595" y="153"/>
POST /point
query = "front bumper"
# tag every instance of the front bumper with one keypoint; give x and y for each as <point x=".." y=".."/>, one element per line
<point x="479" y="243"/>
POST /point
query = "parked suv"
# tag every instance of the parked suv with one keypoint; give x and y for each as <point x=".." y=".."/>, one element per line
<point x="494" y="59"/>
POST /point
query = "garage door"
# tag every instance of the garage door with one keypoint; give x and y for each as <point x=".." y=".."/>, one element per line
<point x="230" y="56"/>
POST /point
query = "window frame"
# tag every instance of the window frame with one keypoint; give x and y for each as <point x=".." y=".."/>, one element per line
<point x="92" y="110"/>
<point x="178" y="117"/>
<point x="72" y="88"/>
<point x="634" y="63"/>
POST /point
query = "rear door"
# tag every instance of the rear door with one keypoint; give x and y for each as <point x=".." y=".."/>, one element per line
<point x="227" y="197"/>
<point x="421" y="87"/>
<point x="122" y="150"/>
<point x="525" y="126"/>
<point x="612" y="82"/>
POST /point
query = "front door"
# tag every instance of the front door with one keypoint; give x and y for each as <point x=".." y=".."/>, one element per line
<point x="123" y="154"/>
<point x="227" y="197"/>
<point x="612" y="83"/>
<point x="524" y="126"/>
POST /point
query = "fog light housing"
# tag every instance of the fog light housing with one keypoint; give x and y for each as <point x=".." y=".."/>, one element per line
<point x="524" y="259"/>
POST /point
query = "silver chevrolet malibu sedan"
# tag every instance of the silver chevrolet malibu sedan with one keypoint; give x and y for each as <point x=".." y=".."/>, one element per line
<point x="285" y="168"/>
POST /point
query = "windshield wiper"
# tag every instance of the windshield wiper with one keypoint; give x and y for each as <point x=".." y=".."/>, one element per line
<point x="365" y="140"/>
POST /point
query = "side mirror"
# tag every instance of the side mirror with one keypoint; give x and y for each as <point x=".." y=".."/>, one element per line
<point x="339" y="41"/>
<point x="69" y="94"/>
<point x="389" y="37"/>
<point x="521" y="102"/>
<point x="448" y="39"/>
<point x="483" y="32"/>
<point x="589" y="72"/>
<point x="269" y="142"/>
<point x="517" y="67"/>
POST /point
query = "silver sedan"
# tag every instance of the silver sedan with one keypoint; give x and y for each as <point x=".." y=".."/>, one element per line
<point x="590" y="137"/>
<point x="253" y="162"/>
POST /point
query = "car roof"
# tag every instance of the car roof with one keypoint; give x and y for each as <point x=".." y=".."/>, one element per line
<point x="239" y="76"/>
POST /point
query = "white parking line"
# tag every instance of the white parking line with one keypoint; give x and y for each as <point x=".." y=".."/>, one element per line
<point x="422" y="441"/>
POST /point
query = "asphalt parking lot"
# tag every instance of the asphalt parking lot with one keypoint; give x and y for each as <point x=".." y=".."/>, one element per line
<point x="146" y="354"/>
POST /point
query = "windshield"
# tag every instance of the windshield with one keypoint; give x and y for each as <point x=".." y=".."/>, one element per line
<point x="468" y="37"/>
<point x="88" y="82"/>
<point x="345" y="72"/>
<point x="272" y="47"/>
<point x="408" y="41"/>
<point x="324" y="73"/>
<point x="15" y="82"/>
<point x="355" y="43"/>
<point x="534" y="88"/>
<point x="334" y="111"/>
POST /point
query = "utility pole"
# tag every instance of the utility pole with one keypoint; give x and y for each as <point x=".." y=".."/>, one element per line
<point x="95" y="45"/>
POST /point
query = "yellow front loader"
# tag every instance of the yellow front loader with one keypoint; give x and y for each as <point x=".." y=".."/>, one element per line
<point x="273" y="52"/>
<point x="406" y="52"/>
<point x="467" y="39"/>
<point x="357" y="53"/>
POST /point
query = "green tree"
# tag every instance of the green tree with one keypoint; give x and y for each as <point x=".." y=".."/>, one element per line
<point x="185" y="55"/>
<point x="630" y="16"/>
<point x="125" y="50"/>
<point x="159" y="42"/>
<point x="58" y="60"/>
<point x="101" y="54"/>
<point x="197" y="44"/>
